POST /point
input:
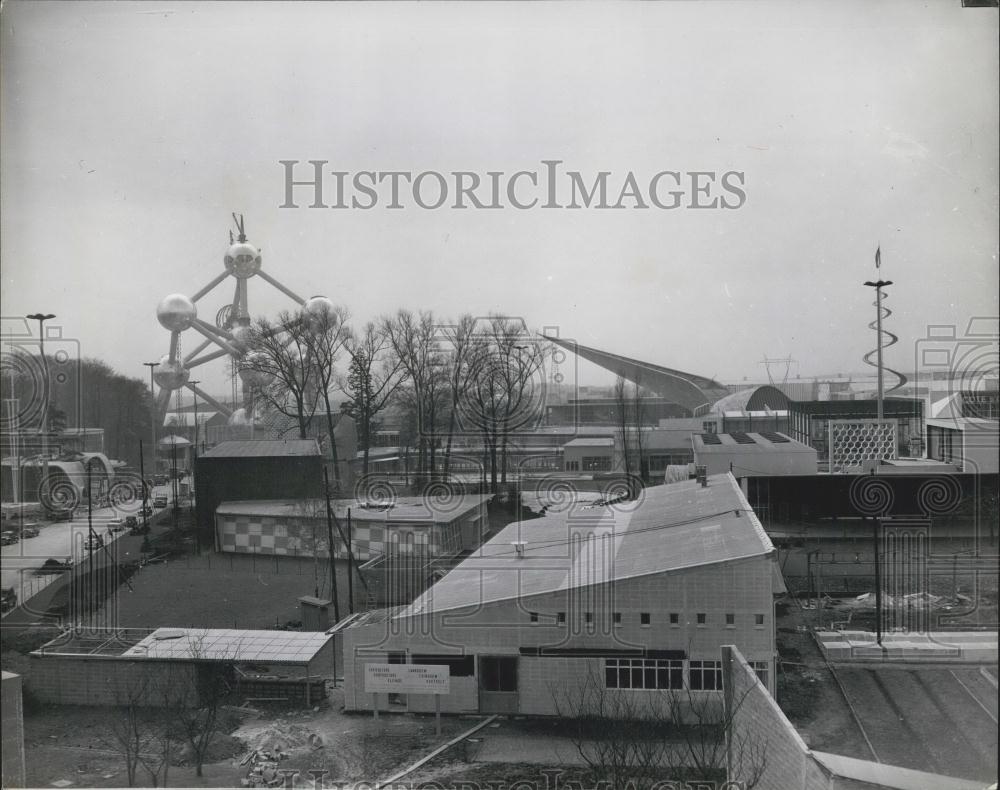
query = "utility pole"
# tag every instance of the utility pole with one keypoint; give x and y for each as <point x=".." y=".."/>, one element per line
<point x="152" y="413"/>
<point x="330" y="546"/>
<point x="194" y="447"/>
<point x="41" y="318"/>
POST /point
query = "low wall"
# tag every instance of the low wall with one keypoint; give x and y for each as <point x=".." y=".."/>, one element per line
<point x="972" y="647"/>
<point x="110" y="681"/>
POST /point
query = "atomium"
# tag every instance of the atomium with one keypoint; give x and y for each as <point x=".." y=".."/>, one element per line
<point x="229" y="336"/>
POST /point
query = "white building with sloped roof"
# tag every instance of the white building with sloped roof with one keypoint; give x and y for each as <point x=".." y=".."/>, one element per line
<point x="639" y="595"/>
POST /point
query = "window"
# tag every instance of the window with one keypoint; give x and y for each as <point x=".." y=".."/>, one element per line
<point x="706" y="675"/>
<point x="572" y="466"/>
<point x="675" y="618"/>
<point x="618" y="618"/>
<point x="533" y="616"/>
<point x="497" y="673"/>
<point x="561" y="618"/>
<point x="643" y="618"/>
<point x="730" y="619"/>
<point x="708" y="427"/>
<point x="458" y="666"/>
<point x="588" y="617"/>
<point x="701" y="618"/>
<point x="643" y="673"/>
<point x="596" y="463"/>
<point x="760" y="669"/>
<point x="758" y="619"/>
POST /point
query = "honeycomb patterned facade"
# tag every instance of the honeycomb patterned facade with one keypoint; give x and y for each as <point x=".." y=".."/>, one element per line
<point x="852" y="442"/>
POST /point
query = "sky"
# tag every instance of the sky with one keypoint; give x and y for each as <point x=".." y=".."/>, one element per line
<point x="130" y="132"/>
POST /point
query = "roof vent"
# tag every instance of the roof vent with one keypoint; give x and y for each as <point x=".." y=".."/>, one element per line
<point x="518" y="547"/>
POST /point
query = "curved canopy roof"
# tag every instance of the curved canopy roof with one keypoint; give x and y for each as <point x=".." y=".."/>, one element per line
<point x="693" y="392"/>
<point x="761" y="398"/>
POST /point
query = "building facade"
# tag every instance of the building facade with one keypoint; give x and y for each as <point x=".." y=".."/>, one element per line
<point x="635" y="597"/>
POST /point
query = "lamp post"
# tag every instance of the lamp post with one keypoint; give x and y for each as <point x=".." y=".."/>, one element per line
<point x="194" y="447"/>
<point x="152" y="414"/>
<point x="41" y="318"/>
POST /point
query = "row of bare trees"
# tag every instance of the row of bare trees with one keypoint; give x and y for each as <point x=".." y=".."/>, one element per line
<point x="167" y="711"/>
<point x="481" y="378"/>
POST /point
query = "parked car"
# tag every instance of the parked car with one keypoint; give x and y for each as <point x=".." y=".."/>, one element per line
<point x="54" y="565"/>
<point x="161" y="480"/>
<point x="8" y="537"/>
<point x="29" y="531"/>
<point x="8" y="599"/>
<point x="160" y="500"/>
<point x="116" y="525"/>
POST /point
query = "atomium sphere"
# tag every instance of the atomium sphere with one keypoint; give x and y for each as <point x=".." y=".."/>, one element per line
<point x="171" y="374"/>
<point x="318" y="305"/>
<point x="250" y="373"/>
<point x="176" y="312"/>
<point x="242" y="260"/>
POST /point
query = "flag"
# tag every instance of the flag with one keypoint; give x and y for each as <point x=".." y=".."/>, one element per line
<point x="878" y="256"/>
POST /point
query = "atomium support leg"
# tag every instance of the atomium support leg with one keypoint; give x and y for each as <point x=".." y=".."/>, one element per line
<point x="288" y="292"/>
<point x="210" y="286"/>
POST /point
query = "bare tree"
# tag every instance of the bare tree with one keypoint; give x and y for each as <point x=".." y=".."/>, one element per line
<point x="325" y="334"/>
<point x="414" y="339"/>
<point x="373" y="376"/>
<point x="140" y="733"/>
<point x="635" y="739"/>
<point x="459" y="367"/>
<point x="279" y="356"/>
<point x="503" y="386"/>
<point x="197" y="720"/>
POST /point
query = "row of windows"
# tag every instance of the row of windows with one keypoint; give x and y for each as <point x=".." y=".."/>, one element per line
<point x="646" y="618"/>
<point x="668" y="674"/>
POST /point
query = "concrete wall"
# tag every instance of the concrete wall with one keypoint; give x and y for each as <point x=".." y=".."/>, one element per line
<point x="79" y="680"/>
<point x="743" y="589"/>
<point x="12" y="731"/>
<point x="756" y="719"/>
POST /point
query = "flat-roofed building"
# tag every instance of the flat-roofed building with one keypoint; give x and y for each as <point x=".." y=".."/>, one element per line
<point x="753" y="454"/>
<point x="639" y="595"/>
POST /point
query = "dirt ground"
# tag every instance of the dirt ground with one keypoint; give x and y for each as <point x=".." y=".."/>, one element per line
<point x="72" y="744"/>
<point x="807" y="690"/>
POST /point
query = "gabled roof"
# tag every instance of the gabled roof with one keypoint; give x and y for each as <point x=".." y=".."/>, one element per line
<point x="671" y="528"/>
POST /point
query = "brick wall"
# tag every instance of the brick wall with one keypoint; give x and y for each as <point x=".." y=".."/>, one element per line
<point x="78" y="680"/>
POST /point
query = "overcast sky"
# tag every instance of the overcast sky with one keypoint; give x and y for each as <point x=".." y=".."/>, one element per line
<point x="131" y="131"/>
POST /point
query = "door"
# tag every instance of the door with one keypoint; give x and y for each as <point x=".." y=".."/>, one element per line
<point x="498" y="684"/>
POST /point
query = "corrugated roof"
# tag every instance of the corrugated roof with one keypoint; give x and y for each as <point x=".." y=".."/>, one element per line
<point x="264" y="448"/>
<point x="230" y="645"/>
<point x="673" y="527"/>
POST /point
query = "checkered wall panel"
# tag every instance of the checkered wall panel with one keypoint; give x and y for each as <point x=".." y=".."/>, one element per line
<point x="308" y="537"/>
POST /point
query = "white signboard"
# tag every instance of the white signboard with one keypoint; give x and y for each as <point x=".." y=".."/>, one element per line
<point x="406" y="679"/>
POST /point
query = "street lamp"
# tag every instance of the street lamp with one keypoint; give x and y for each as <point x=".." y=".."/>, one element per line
<point x="152" y="413"/>
<point x="194" y="447"/>
<point x="41" y="318"/>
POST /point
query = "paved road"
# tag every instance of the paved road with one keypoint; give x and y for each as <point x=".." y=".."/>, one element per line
<point x="940" y="719"/>
<point x="58" y="540"/>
